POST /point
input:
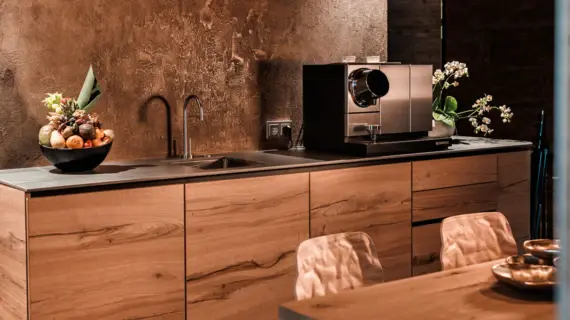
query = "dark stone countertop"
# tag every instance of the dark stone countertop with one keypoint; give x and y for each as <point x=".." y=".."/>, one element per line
<point x="109" y="174"/>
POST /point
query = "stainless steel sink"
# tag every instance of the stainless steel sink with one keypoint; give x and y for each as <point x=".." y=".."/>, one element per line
<point x="214" y="163"/>
<point x="227" y="163"/>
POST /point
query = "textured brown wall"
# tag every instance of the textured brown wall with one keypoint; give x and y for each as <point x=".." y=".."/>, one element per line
<point x="241" y="57"/>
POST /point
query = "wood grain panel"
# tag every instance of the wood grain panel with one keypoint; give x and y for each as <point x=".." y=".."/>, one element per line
<point x="426" y="249"/>
<point x="13" y="284"/>
<point x="514" y="196"/>
<point x="375" y="200"/>
<point x="108" y="255"/>
<point x="441" y="203"/>
<point x="452" y="172"/>
<point x="241" y="241"/>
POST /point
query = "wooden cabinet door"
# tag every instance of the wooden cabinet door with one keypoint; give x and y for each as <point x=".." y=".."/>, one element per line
<point x="107" y="255"/>
<point x="241" y="238"/>
<point x="426" y="249"/>
<point x="375" y="200"/>
<point x="13" y="289"/>
<point x="514" y="195"/>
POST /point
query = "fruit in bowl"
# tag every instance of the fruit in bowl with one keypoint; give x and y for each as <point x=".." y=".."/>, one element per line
<point x="74" y="129"/>
<point x="74" y="139"/>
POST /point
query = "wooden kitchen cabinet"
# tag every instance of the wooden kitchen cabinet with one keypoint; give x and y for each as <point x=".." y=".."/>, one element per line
<point x="373" y="199"/>
<point x="13" y="289"/>
<point x="448" y="187"/>
<point x="107" y="255"/>
<point x="514" y="195"/>
<point x="241" y="238"/>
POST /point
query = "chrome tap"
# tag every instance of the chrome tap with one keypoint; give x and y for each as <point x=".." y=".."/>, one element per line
<point x="187" y="141"/>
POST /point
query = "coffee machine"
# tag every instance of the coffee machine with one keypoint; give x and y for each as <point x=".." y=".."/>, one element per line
<point x="368" y="109"/>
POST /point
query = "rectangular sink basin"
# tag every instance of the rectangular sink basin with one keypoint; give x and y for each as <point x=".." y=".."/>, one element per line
<point x="227" y="163"/>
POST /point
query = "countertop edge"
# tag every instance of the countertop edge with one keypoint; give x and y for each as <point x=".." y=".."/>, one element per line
<point x="261" y="171"/>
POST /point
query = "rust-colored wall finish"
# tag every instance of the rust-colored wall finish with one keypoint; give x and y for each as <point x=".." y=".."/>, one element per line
<point x="242" y="58"/>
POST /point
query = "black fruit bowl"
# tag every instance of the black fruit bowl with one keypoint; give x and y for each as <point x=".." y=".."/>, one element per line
<point x="76" y="160"/>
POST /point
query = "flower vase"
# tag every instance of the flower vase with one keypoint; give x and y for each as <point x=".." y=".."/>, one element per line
<point x="441" y="129"/>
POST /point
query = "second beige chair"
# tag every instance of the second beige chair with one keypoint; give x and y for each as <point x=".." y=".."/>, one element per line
<point x="332" y="263"/>
<point x="475" y="238"/>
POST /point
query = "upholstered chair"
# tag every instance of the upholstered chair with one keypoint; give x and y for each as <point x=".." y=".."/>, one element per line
<point x="336" y="262"/>
<point x="475" y="238"/>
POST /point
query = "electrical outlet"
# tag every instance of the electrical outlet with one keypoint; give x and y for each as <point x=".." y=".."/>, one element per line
<point x="274" y="128"/>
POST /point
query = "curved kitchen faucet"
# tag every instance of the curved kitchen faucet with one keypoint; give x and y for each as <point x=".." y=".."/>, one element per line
<point x="143" y="117"/>
<point x="187" y="141"/>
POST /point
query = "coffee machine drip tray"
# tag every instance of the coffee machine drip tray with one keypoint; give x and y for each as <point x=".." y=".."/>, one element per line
<point x="385" y="147"/>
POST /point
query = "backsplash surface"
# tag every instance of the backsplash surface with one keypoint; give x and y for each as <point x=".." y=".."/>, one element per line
<point x="242" y="58"/>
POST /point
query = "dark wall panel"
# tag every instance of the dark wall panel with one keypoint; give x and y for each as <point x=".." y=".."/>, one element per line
<point x="508" y="46"/>
<point x="414" y="31"/>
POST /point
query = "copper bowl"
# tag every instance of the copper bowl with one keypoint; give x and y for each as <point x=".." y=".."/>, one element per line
<point x="525" y="261"/>
<point x="530" y="269"/>
<point x="547" y="249"/>
<point x="76" y="160"/>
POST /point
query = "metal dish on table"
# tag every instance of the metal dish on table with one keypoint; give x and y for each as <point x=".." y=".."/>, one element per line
<point x="543" y="248"/>
<point x="536" y="277"/>
<point x="525" y="261"/>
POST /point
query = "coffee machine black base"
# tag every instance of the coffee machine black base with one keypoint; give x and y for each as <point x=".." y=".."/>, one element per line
<point x="368" y="148"/>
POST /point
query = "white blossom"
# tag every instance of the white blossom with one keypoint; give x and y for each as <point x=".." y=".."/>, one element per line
<point x="486" y="120"/>
<point x="438" y="76"/>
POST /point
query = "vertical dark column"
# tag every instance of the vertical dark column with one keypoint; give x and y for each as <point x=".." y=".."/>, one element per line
<point x="414" y="31"/>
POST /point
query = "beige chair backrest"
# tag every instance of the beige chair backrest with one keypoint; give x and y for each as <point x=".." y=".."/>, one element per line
<point x="332" y="263"/>
<point x="475" y="238"/>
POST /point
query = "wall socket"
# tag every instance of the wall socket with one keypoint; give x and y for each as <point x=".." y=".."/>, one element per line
<point x="274" y="128"/>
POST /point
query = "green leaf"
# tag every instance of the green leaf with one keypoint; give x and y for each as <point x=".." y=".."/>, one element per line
<point x="435" y="104"/>
<point x="450" y="104"/>
<point x="90" y="92"/>
<point x="449" y="120"/>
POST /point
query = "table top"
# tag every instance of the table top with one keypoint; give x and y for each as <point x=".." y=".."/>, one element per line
<point x="465" y="293"/>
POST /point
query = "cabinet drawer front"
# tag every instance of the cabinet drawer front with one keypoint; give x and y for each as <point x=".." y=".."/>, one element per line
<point x="375" y="200"/>
<point x="426" y="249"/>
<point x="442" y="203"/>
<point x="444" y="173"/>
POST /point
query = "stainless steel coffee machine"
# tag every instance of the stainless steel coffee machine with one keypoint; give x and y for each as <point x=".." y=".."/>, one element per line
<point x="368" y="109"/>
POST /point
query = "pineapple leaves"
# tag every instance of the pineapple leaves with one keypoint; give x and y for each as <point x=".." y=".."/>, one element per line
<point x="90" y="92"/>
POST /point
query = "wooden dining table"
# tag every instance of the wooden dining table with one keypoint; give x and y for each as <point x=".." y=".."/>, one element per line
<point x="466" y="293"/>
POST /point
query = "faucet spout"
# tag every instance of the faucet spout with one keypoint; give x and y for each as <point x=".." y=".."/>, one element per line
<point x="187" y="141"/>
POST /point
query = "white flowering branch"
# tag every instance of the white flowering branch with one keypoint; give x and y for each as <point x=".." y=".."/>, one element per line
<point x="446" y="110"/>
<point x="479" y="108"/>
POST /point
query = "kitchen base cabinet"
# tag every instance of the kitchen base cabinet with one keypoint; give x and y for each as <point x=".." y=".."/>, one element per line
<point x="13" y="284"/>
<point x="241" y="238"/>
<point x="107" y="255"/>
<point x="375" y="200"/>
<point x="514" y="195"/>
<point x="496" y="182"/>
<point x="226" y="249"/>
